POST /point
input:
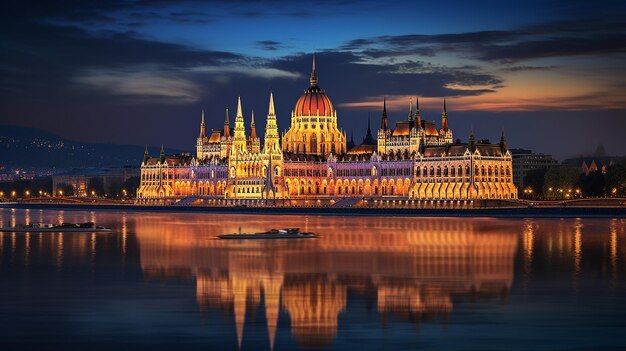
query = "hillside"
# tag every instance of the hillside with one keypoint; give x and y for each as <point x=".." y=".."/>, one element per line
<point x="32" y="147"/>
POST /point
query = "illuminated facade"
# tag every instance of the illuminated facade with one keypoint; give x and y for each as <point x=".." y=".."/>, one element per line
<point x="412" y="164"/>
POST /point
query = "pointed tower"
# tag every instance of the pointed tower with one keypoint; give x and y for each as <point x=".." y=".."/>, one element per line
<point x="254" y="142"/>
<point x="383" y="132"/>
<point x="384" y="123"/>
<point x="369" y="139"/>
<point x="227" y="124"/>
<point x="313" y="79"/>
<point x="202" y="126"/>
<point x="146" y="155"/>
<point x="202" y="148"/>
<point x="503" y="145"/>
<point x="472" y="142"/>
<point x="350" y="144"/>
<point x="444" y="117"/>
<point x="271" y="143"/>
<point x="226" y="140"/>
<point x="239" y="138"/>
<point x="252" y="127"/>
<point x="272" y="154"/>
<point x="162" y="154"/>
<point x="418" y="117"/>
<point x="410" y="109"/>
<point x="445" y="133"/>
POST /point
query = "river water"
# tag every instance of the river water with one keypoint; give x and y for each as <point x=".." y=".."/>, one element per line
<point x="162" y="281"/>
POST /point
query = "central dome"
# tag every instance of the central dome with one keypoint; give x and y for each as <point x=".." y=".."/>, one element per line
<point x="314" y="101"/>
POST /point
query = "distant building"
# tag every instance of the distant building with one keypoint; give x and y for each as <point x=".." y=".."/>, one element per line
<point x="79" y="179"/>
<point x="587" y="164"/>
<point x="525" y="160"/>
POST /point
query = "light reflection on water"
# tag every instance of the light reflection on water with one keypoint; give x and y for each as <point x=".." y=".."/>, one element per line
<point x="368" y="282"/>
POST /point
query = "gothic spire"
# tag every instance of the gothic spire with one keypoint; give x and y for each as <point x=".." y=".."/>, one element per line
<point x="472" y="141"/>
<point x="503" y="141"/>
<point x="444" y="117"/>
<point x="162" y="154"/>
<point x="227" y="124"/>
<point x="369" y="139"/>
<point x="239" y="111"/>
<point x="202" y="126"/>
<point x="418" y="117"/>
<point x="410" y="109"/>
<point x="146" y="155"/>
<point x="239" y="132"/>
<point x="271" y="139"/>
<point x="252" y="128"/>
<point x="271" y="111"/>
<point x="384" y="123"/>
<point x="313" y="74"/>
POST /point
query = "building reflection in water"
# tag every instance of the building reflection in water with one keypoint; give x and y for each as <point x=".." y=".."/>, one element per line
<point x="417" y="269"/>
<point x="414" y="267"/>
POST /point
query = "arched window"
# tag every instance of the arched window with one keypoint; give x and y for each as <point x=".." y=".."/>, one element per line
<point x="313" y="143"/>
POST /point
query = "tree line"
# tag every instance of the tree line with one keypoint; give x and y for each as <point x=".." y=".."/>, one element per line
<point x="567" y="182"/>
<point x="42" y="187"/>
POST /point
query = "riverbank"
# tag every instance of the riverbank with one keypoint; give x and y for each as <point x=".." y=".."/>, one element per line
<point x="511" y="212"/>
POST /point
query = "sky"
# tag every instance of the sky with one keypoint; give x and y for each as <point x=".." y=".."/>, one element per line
<point x="551" y="74"/>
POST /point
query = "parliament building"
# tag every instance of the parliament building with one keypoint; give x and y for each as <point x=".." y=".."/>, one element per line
<point x="313" y="164"/>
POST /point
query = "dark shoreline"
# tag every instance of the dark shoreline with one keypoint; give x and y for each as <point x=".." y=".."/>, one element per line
<point x="503" y="212"/>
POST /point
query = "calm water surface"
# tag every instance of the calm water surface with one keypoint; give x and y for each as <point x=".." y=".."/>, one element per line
<point x="162" y="281"/>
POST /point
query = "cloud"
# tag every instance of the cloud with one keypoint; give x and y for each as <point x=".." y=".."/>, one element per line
<point x="250" y="71"/>
<point x="269" y="45"/>
<point x="551" y="39"/>
<point x="496" y="103"/>
<point x="529" y="68"/>
<point x="146" y="83"/>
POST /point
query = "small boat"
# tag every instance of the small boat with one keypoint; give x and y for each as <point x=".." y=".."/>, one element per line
<point x="287" y="233"/>
<point x="64" y="227"/>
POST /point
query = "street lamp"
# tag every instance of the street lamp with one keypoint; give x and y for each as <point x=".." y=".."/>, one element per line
<point x="93" y="193"/>
<point x="60" y="192"/>
<point x="27" y="192"/>
<point x="13" y="193"/>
